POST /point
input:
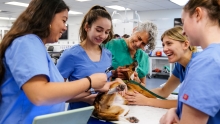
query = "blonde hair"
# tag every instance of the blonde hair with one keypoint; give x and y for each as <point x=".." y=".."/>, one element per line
<point x="176" y="34"/>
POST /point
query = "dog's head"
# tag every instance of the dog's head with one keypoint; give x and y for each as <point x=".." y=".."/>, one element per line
<point x="132" y="68"/>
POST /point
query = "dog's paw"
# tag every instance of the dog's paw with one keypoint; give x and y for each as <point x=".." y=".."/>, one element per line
<point x="132" y="119"/>
<point x="120" y="87"/>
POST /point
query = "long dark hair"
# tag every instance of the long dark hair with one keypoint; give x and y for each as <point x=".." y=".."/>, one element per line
<point x="35" y="19"/>
<point x="90" y="17"/>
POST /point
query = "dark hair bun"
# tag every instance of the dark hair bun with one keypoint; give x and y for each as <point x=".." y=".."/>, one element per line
<point x="98" y="7"/>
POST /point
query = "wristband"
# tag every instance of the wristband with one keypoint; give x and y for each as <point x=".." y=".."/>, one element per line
<point x="90" y="83"/>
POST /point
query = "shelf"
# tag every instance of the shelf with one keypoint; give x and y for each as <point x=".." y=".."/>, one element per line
<point x="158" y="73"/>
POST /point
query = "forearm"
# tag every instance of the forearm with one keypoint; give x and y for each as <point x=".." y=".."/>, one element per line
<point x="161" y="92"/>
<point x="143" y="81"/>
<point x="41" y="92"/>
<point x="168" y="87"/>
<point x="106" y="87"/>
<point x="70" y="90"/>
<point x="191" y="115"/>
<point x="167" y="104"/>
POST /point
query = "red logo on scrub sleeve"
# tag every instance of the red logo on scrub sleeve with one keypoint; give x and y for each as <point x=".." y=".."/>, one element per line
<point x="185" y="96"/>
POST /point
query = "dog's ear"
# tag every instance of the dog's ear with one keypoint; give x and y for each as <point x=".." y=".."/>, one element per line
<point x="126" y="73"/>
<point x="132" y="68"/>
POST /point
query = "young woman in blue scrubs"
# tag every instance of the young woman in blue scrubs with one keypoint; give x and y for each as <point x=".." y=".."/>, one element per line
<point x="31" y="85"/>
<point x="199" y="94"/>
<point x="88" y="57"/>
<point x="177" y="48"/>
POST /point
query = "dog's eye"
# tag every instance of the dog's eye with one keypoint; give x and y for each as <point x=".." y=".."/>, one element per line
<point x="133" y="69"/>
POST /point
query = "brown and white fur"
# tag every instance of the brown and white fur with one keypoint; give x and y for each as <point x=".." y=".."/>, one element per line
<point x="113" y="107"/>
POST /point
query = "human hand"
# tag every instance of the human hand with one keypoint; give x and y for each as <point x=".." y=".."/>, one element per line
<point x="118" y="73"/>
<point x="90" y="99"/>
<point x="136" y="78"/>
<point x="135" y="98"/>
<point x="107" y="85"/>
<point x="170" y="117"/>
<point x="105" y="88"/>
<point x="98" y="80"/>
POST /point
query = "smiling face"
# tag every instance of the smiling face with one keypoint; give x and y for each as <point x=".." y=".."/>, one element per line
<point x="138" y="40"/>
<point x="57" y="26"/>
<point x="174" y="50"/>
<point x="98" y="31"/>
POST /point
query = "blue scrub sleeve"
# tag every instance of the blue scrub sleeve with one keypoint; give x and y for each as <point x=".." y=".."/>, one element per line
<point x="26" y="58"/>
<point x="201" y="86"/>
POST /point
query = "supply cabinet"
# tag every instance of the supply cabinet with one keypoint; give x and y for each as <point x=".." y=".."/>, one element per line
<point x="159" y="66"/>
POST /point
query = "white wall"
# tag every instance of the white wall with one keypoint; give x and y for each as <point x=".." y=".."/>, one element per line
<point x="120" y="28"/>
<point x="4" y="27"/>
<point x="164" y="19"/>
<point x="74" y="23"/>
<point x="5" y="23"/>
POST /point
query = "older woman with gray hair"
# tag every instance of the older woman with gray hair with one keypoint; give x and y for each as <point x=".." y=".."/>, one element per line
<point x="126" y="51"/>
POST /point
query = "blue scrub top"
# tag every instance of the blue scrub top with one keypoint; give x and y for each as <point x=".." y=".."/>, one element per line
<point x="25" y="58"/>
<point x="179" y="71"/>
<point x="200" y="88"/>
<point x="75" y="64"/>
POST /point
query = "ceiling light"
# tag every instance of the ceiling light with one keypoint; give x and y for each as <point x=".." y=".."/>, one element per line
<point x="6" y="18"/>
<point x="17" y="4"/>
<point x="180" y="2"/>
<point x="75" y="13"/>
<point x="83" y="0"/>
<point x="117" y="7"/>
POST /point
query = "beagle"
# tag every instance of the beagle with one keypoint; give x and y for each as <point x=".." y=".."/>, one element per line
<point x="111" y="106"/>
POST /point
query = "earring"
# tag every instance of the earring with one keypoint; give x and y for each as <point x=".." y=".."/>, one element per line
<point x="50" y="25"/>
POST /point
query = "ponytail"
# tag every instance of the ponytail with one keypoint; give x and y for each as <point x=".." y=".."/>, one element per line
<point x="90" y="17"/>
<point x="193" y="49"/>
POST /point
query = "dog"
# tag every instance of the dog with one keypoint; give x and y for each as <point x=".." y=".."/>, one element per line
<point x="111" y="106"/>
